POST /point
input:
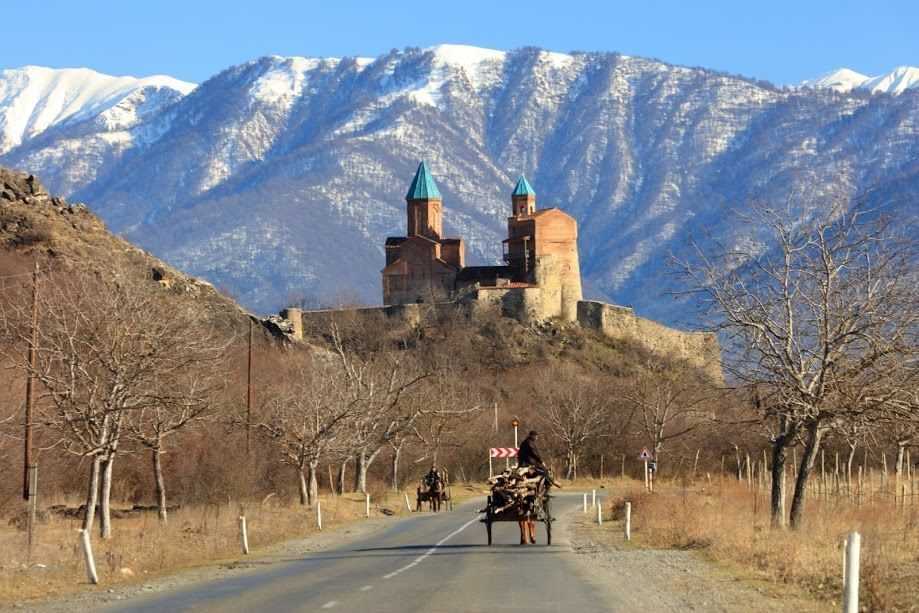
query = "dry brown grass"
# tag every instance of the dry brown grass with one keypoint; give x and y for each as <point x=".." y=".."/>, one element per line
<point x="730" y="524"/>
<point x="194" y="536"/>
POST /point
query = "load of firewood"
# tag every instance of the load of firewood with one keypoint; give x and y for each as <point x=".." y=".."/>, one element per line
<point x="516" y="487"/>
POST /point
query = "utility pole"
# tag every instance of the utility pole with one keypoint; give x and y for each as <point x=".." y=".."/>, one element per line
<point x="30" y="387"/>
<point x="249" y="394"/>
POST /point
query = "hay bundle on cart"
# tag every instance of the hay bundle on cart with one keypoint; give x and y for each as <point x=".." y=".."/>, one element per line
<point x="517" y="494"/>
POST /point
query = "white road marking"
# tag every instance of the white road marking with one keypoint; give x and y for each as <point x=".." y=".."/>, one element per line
<point x="330" y="604"/>
<point x="427" y="553"/>
<point x="366" y="587"/>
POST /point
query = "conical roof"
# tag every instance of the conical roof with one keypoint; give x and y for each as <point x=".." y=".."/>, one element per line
<point x="523" y="188"/>
<point x="423" y="186"/>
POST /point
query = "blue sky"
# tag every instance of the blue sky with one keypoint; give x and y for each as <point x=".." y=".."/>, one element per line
<point x="778" y="40"/>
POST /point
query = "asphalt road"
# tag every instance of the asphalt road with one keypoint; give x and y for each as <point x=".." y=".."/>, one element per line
<point x="424" y="563"/>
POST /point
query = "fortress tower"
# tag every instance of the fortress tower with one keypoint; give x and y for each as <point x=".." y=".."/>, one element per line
<point x="422" y="266"/>
<point x="542" y="249"/>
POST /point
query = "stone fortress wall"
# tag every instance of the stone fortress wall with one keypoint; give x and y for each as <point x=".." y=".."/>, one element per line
<point x="699" y="349"/>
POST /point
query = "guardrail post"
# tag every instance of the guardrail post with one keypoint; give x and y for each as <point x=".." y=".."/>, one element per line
<point x="850" y="577"/>
<point x="628" y="521"/>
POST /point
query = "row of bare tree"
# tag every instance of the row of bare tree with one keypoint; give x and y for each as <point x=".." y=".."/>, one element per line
<point x="819" y="327"/>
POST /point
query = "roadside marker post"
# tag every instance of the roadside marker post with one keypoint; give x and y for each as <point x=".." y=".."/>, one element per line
<point x="593" y="498"/>
<point x="585" y="502"/>
<point x="408" y="505"/>
<point x="319" y="515"/>
<point x="367" y="504"/>
<point x="628" y="521"/>
<point x="243" y="535"/>
<point x="850" y="576"/>
<point x="600" y="514"/>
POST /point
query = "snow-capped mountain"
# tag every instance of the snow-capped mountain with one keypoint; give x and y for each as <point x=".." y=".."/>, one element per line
<point x="282" y="176"/>
<point x="894" y="82"/>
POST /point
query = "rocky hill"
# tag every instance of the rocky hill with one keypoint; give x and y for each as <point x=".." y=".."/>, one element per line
<point x="281" y="177"/>
<point x="35" y="225"/>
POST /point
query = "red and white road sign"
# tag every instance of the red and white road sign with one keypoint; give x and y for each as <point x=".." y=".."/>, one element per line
<point x="502" y="452"/>
<point x="645" y="454"/>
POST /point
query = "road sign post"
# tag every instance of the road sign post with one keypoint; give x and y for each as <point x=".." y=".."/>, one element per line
<point x="501" y="452"/>
<point x="645" y="456"/>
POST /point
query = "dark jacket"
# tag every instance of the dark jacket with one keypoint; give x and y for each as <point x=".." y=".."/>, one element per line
<point x="528" y="454"/>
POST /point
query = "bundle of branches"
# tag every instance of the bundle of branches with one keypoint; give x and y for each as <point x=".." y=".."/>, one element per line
<point x="517" y="488"/>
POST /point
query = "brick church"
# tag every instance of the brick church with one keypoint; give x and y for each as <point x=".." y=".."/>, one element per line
<point x="540" y="277"/>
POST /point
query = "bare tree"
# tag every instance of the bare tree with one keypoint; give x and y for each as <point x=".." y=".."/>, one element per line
<point x="307" y="418"/>
<point x="575" y="411"/>
<point x="669" y="401"/>
<point x="106" y="342"/>
<point x="833" y="302"/>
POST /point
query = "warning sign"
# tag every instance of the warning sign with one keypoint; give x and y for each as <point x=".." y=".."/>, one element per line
<point x="645" y="455"/>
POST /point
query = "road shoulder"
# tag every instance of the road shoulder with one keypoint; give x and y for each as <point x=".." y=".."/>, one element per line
<point x="671" y="580"/>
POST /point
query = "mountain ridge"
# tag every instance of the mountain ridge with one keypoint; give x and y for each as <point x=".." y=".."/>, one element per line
<point x="280" y="177"/>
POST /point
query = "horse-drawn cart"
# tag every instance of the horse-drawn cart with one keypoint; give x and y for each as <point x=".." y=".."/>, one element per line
<point x="434" y="491"/>
<point x="519" y="494"/>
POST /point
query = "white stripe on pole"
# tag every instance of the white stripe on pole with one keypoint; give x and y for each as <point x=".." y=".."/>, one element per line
<point x="628" y="521"/>
<point x="850" y="595"/>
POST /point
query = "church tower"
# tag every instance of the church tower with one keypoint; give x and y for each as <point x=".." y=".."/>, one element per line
<point x="425" y="205"/>
<point x="523" y="198"/>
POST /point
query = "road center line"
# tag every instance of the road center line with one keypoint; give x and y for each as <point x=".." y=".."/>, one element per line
<point x="427" y="553"/>
<point x="366" y="587"/>
<point x="330" y="604"/>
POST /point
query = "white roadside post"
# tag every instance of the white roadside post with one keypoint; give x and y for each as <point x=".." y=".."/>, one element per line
<point x="585" y="502"/>
<point x="593" y="498"/>
<point x="850" y="587"/>
<point x="319" y="515"/>
<point x="491" y="472"/>
<point x="243" y="535"/>
<point x="367" y="505"/>
<point x="600" y="514"/>
<point x="628" y="521"/>
<point x="408" y="505"/>
<point x="88" y="558"/>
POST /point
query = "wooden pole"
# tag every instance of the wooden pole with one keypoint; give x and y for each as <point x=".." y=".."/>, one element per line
<point x="850" y="589"/>
<point x="622" y="472"/>
<point x="243" y="535"/>
<point x="601" y="467"/>
<point x="647" y="486"/>
<point x="249" y="393"/>
<point x="30" y="386"/>
<point x="628" y="521"/>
